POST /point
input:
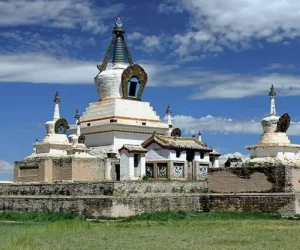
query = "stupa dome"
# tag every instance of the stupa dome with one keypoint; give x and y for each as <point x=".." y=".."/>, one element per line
<point x="108" y="82"/>
<point x="269" y="123"/>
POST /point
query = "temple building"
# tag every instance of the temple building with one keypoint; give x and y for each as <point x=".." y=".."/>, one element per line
<point x="118" y="137"/>
<point x="274" y="146"/>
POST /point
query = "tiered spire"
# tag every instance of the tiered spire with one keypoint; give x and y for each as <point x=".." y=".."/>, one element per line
<point x="120" y="48"/>
<point x="272" y="94"/>
<point x="77" y="117"/>
<point x="199" y="136"/>
<point x="56" y="100"/>
<point x="169" y="119"/>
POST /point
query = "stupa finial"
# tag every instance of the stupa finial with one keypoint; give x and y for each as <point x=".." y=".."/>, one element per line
<point x="118" y="23"/>
<point x="199" y="136"/>
<point x="169" y="111"/>
<point x="272" y="94"/>
<point x="56" y="100"/>
<point x="56" y="97"/>
<point x="272" y="91"/>
<point x="77" y="116"/>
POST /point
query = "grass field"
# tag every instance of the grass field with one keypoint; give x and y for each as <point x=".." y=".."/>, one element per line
<point x="169" y="230"/>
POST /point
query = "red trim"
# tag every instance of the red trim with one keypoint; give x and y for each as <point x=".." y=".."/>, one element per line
<point x="119" y="117"/>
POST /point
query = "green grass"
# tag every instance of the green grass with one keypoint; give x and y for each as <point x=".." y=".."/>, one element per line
<point x="167" y="230"/>
<point x="36" y="216"/>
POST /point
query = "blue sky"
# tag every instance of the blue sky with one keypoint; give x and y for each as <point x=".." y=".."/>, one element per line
<point x="212" y="61"/>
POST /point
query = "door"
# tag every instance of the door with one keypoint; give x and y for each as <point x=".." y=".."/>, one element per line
<point x="117" y="169"/>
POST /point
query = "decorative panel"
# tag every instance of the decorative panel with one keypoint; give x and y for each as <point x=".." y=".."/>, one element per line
<point x="150" y="170"/>
<point x="178" y="170"/>
<point x="203" y="169"/>
<point x="162" y="170"/>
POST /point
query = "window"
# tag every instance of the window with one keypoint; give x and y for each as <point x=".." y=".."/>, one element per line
<point x="88" y="124"/>
<point x="136" y="160"/>
<point x="202" y="155"/>
<point x="143" y="123"/>
<point x="190" y="156"/>
<point x="132" y="88"/>
<point x="178" y="153"/>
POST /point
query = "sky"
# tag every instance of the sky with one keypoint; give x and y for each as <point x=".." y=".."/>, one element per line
<point x="212" y="61"/>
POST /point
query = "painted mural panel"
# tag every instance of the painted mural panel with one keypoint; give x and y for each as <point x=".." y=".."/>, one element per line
<point x="162" y="170"/>
<point x="178" y="170"/>
<point x="203" y="169"/>
<point x="150" y="170"/>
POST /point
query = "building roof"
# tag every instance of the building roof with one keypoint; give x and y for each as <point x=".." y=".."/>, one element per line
<point x="133" y="148"/>
<point x="171" y="142"/>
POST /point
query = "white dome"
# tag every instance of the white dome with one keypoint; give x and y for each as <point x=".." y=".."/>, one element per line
<point x="108" y="82"/>
<point x="269" y="123"/>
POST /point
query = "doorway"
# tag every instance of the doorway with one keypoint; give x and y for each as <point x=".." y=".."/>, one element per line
<point x="117" y="169"/>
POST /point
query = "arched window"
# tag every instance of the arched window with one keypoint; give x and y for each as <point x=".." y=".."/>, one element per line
<point x="133" y="86"/>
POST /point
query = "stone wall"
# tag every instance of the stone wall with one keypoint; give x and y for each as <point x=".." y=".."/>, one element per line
<point x="285" y="204"/>
<point x="267" y="203"/>
<point x="103" y="188"/>
<point x="254" y="179"/>
<point x="47" y="169"/>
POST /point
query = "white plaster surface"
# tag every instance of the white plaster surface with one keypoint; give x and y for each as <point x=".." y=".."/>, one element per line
<point x="108" y="82"/>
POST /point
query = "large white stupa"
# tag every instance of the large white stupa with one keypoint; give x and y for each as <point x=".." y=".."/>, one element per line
<point x="120" y="116"/>
<point x="274" y="146"/>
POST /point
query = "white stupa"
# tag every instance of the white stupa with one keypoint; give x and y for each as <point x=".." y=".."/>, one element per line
<point x="120" y="116"/>
<point x="78" y="148"/>
<point x="55" y="142"/>
<point x="274" y="146"/>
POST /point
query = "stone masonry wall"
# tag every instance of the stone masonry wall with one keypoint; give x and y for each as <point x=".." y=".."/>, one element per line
<point x="103" y="188"/>
<point x="132" y="205"/>
<point x="131" y="198"/>
<point x="251" y="180"/>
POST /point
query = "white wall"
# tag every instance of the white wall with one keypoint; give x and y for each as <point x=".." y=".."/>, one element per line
<point x="121" y="138"/>
<point x="279" y="152"/>
<point x="126" y="166"/>
<point x="155" y="152"/>
<point x="102" y="139"/>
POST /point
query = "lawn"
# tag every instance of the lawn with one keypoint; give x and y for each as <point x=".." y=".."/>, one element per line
<point x="169" y="230"/>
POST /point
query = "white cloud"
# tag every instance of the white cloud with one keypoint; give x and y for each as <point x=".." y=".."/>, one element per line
<point x="211" y="124"/>
<point x="234" y="24"/>
<point x="148" y="43"/>
<point x="134" y="36"/>
<point x="44" y="68"/>
<point x="68" y="14"/>
<point x="223" y="158"/>
<point x="223" y="125"/>
<point x="210" y="84"/>
<point x="58" y="44"/>
<point x="6" y="166"/>
<point x="152" y="42"/>
<point x="41" y="68"/>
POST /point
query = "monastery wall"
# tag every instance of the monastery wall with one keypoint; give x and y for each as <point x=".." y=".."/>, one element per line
<point x="103" y="188"/>
<point x="47" y="169"/>
<point x="254" y="179"/>
<point x="116" y="206"/>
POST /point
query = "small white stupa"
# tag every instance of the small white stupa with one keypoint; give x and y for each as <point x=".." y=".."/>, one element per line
<point x="274" y="146"/>
<point x="78" y="148"/>
<point x="55" y="142"/>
